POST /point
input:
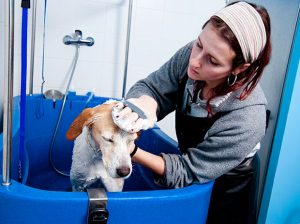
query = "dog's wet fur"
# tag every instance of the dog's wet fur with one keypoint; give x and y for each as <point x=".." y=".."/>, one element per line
<point x="101" y="153"/>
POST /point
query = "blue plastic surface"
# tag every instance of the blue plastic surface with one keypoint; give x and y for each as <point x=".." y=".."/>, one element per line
<point x="45" y="197"/>
<point x="281" y="197"/>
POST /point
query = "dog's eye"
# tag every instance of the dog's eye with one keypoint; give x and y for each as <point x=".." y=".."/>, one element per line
<point x="107" y="139"/>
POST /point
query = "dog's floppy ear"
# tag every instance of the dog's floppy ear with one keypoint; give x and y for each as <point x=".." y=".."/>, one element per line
<point x="84" y="118"/>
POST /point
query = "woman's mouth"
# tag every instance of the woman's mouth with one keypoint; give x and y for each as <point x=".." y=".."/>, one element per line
<point x="192" y="71"/>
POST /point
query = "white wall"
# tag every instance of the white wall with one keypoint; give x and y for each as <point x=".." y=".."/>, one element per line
<point x="159" y="28"/>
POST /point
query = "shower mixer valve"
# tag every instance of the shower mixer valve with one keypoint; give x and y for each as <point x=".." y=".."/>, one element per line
<point x="77" y="39"/>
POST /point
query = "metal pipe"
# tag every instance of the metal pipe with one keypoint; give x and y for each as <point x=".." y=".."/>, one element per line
<point x="33" y="31"/>
<point x="127" y="47"/>
<point x="8" y="97"/>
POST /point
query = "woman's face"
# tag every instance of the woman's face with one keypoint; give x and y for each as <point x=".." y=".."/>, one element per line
<point x="211" y="58"/>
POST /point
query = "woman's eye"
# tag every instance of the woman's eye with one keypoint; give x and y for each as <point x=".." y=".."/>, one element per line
<point x="199" y="45"/>
<point x="107" y="139"/>
<point x="212" y="61"/>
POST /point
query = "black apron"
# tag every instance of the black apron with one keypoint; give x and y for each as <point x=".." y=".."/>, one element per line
<point x="234" y="195"/>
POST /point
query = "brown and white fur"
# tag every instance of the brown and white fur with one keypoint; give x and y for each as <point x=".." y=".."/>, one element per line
<point x="101" y="153"/>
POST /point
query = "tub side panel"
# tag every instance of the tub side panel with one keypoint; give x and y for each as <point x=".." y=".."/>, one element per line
<point x="20" y="204"/>
<point x="188" y="205"/>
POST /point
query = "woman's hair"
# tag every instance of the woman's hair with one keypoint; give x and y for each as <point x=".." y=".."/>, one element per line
<point x="250" y="77"/>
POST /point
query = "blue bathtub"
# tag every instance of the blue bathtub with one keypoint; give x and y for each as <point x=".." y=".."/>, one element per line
<point x="45" y="197"/>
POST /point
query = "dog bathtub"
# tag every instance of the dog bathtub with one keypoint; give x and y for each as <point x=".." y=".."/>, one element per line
<point x="45" y="197"/>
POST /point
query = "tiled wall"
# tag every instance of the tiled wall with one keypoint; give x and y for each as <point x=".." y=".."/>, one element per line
<point x="159" y="28"/>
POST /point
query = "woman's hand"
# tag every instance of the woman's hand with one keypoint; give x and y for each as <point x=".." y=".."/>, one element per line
<point x="130" y="121"/>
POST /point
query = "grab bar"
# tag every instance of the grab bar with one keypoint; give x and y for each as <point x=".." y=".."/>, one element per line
<point x="8" y="98"/>
<point x="33" y="32"/>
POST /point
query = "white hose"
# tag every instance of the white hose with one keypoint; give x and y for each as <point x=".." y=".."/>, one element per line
<point x="61" y="112"/>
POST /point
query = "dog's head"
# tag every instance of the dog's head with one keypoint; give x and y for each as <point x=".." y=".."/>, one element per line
<point x="113" y="143"/>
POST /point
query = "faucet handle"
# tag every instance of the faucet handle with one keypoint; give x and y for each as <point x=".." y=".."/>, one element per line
<point x="78" y="34"/>
<point x="67" y="39"/>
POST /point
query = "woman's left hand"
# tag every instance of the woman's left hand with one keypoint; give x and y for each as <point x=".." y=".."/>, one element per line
<point x="129" y="120"/>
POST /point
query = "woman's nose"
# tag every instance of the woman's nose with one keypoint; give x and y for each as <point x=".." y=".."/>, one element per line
<point x="196" y="61"/>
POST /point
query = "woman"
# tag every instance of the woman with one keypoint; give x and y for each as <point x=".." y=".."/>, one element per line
<point x="212" y="83"/>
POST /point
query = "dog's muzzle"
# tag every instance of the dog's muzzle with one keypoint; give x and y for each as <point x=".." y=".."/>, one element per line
<point x="123" y="171"/>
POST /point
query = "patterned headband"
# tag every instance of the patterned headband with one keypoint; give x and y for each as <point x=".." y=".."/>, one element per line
<point x="247" y="26"/>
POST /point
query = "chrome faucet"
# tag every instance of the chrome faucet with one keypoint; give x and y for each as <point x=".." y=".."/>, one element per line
<point x="76" y="39"/>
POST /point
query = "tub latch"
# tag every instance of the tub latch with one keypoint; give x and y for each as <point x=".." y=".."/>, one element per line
<point x="97" y="213"/>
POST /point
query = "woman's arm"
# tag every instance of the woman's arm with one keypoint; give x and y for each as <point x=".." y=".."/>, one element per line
<point x="153" y="162"/>
<point x="155" y="95"/>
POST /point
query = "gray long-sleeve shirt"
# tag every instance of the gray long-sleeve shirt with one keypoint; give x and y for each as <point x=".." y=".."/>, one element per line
<point x="226" y="144"/>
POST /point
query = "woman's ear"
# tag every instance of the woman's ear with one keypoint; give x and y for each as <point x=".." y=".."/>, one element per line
<point x="240" y="68"/>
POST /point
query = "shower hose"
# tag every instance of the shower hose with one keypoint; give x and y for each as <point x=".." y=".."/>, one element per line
<point x="73" y="66"/>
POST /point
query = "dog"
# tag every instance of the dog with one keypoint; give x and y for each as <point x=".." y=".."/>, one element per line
<point x="101" y="153"/>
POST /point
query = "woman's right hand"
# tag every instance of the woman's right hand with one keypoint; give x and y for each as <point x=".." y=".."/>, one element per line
<point x="130" y="121"/>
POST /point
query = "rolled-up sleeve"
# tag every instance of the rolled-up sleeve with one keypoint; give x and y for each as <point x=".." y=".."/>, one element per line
<point x="226" y="145"/>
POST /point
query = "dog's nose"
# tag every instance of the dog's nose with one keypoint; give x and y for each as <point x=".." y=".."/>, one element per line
<point x="123" y="171"/>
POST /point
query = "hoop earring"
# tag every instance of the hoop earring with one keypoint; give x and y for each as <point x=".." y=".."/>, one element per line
<point x="231" y="80"/>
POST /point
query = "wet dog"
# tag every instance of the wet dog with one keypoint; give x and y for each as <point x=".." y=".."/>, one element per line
<point x="101" y="153"/>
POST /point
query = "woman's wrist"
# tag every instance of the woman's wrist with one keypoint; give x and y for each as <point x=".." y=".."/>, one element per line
<point x="154" y="162"/>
